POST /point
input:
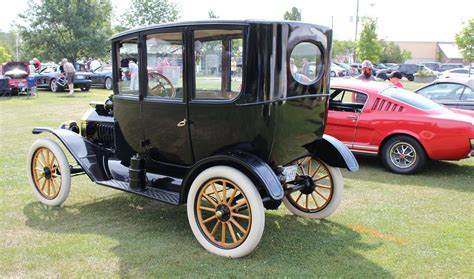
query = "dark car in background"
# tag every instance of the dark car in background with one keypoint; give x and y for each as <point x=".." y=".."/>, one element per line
<point x="449" y="66"/>
<point x="434" y="66"/>
<point x="51" y="77"/>
<point x="102" y="77"/>
<point x="407" y="70"/>
<point x="451" y="92"/>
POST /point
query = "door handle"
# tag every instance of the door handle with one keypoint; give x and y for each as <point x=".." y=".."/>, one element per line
<point x="352" y="117"/>
<point x="182" y="123"/>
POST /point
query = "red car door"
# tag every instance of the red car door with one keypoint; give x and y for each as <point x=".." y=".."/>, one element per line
<point x="344" y="111"/>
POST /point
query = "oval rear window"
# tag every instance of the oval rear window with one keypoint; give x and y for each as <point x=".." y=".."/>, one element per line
<point x="306" y="63"/>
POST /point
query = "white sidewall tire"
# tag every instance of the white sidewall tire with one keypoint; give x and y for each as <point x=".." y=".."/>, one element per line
<point x="338" y="189"/>
<point x="65" y="171"/>
<point x="254" y="201"/>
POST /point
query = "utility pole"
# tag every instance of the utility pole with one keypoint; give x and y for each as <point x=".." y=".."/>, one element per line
<point x="357" y="23"/>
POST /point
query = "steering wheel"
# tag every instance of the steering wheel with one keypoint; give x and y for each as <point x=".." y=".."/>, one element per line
<point x="160" y="88"/>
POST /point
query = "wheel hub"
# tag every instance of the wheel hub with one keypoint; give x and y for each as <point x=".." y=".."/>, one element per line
<point x="47" y="172"/>
<point x="309" y="185"/>
<point x="223" y="213"/>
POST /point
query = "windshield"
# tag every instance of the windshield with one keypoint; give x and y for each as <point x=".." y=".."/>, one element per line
<point x="410" y="98"/>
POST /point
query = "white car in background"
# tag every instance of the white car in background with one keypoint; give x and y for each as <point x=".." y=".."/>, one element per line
<point x="456" y="73"/>
<point x="337" y="71"/>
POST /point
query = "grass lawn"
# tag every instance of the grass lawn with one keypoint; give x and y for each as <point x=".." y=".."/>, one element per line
<point x="387" y="225"/>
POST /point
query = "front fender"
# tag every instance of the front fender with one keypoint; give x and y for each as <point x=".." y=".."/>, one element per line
<point x="333" y="152"/>
<point x="87" y="154"/>
<point x="258" y="171"/>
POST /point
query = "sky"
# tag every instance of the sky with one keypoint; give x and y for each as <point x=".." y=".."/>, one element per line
<point x="400" y="20"/>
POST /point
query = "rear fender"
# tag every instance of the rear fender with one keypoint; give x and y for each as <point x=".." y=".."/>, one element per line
<point x="333" y="152"/>
<point x="88" y="155"/>
<point x="257" y="170"/>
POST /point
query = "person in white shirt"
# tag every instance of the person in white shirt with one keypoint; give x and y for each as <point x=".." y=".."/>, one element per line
<point x="133" y="75"/>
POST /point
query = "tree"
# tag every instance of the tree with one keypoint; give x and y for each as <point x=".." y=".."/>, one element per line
<point x="465" y="41"/>
<point x="368" y="48"/>
<point x="342" y="48"/>
<point x="391" y="53"/>
<point x="54" y="29"/>
<point x="5" y="56"/>
<point x="147" y="12"/>
<point x="8" y="40"/>
<point x="294" y="14"/>
<point x="212" y="15"/>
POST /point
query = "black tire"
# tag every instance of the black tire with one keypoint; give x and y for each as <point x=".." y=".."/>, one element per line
<point x="413" y="159"/>
<point x="410" y="77"/>
<point x="86" y="88"/>
<point x="54" y="86"/>
<point x="108" y="83"/>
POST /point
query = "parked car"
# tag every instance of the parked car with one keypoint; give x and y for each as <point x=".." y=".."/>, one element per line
<point x="227" y="148"/>
<point x="337" y="71"/>
<point x="434" y="66"/>
<point x="451" y="92"/>
<point x="457" y="73"/>
<point x="403" y="128"/>
<point x="407" y="70"/>
<point x="357" y="67"/>
<point x="102" y="76"/>
<point x="51" y="77"/>
<point x="349" y="70"/>
<point x="450" y="66"/>
<point x="16" y="72"/>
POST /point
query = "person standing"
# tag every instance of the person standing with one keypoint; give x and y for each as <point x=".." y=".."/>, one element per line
<point x="31" y="67"/>
<point x="37" y="64"/>
<point x="133" y="75"/>
<point x="305" y="67"/>
<point x="366" y="71"/>
<point x="395" y="78"/>
<point x="70" y="73"/>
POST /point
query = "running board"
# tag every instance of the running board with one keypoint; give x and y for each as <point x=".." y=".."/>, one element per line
<point x="149" y="192"/>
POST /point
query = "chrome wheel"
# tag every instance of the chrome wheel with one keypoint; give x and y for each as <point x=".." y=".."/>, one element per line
<point x="108" y="84"/>
<point x="403" y="155"/>
<point x="53" y="85"/>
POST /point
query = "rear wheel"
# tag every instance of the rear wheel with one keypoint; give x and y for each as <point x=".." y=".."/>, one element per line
<point x="225" y="212"/>
<point x="333" y="74"/>
<point x="85" y="88"/>
<point x="403" y="155"/>
<point x="54" y="86"/>
<point x="322" y="191"/>
<point x="49" y="172"/>
<point x="410" y="77"/>
<point x="108" y="83"/>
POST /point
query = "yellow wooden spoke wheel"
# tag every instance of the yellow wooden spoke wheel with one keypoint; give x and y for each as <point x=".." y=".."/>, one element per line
<point x="226" y="212"/>
<point x="320" y="189"/>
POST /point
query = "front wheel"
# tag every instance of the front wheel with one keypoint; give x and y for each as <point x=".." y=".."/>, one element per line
<point x="108" y="83"/>
<point x="48" y="172"/>
<point x="403" y="155"/>
<point x="225" y="212"/>
<point x="85" y="88"/>
<point x="321" y="191"/>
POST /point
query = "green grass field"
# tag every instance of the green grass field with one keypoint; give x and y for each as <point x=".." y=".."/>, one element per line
<point x="387" y="225"/>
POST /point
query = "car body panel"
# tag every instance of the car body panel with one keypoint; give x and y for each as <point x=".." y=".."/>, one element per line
<point x="100" y="75"/>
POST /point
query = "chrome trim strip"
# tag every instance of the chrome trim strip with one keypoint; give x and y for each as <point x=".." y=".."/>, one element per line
<point x="371" y="147"/>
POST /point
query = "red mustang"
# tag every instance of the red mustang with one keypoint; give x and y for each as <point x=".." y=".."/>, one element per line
<point x="402" y="127"/>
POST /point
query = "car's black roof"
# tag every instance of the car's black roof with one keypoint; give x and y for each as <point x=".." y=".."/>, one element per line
<point x="211" y="22"/>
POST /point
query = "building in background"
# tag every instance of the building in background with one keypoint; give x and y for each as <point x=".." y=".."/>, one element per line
<point x="444" y="52"/>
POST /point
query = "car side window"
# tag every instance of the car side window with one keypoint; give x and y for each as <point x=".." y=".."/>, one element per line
<point x="443" y="91"/>
<point x="218" y="59"/>
<point x="128" y="67"/>
<point x="468" y="94"/>
<point x="348" y="101"/>
<point x="165" y="65"/>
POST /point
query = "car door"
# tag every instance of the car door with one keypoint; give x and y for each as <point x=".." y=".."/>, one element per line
<point x="97" y="77"/>
<point x="164" y="103"/>
<point x="345" y="107"/>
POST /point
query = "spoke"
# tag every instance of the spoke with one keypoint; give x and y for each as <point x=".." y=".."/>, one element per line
<point x="309" y="166"/>
<point x="217" y="194"/>
<point x="43" y="160"/>
<point x="214" y="230"/>
<point x="241" y="216"/>
<point x="323" y="186"/>
<point x="53" y="188"/>
<point x="49" y="187"/>
<point x="223" y="233"/>
<point x="209" y="219"/>
<point x="207" y="209"/>
<point x="321" y="195"/>
<point x="231" y="232"/>
<point x="224" y="191"/>
<point x="52" y="158"/>
<point x="209" y="199"/>
<point x="314" y="198"/>
<point x="238" y="225"/>
<point x="43" y="185"/>
<point x="239" y="204"/>
<point x="316" y="171"/>
<point x="307" y="198"/>
<point x="47" y="158"/>
<point x="301" y="193"/>
<point x="232" y="196"/>
<point x="39" y="169"/>
<point x="322" y="177"/>
<point x="302" y="169"/>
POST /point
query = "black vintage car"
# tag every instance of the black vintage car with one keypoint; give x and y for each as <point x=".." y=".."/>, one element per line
<point x="51" y="77"/>
<point x="102" y="77"/>
<point x="183" y="127"/>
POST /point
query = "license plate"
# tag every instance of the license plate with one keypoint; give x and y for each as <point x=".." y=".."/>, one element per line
<point x="290" y="172"/>
<point x="21" y="84"/>
<point x="80" y="77"/>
